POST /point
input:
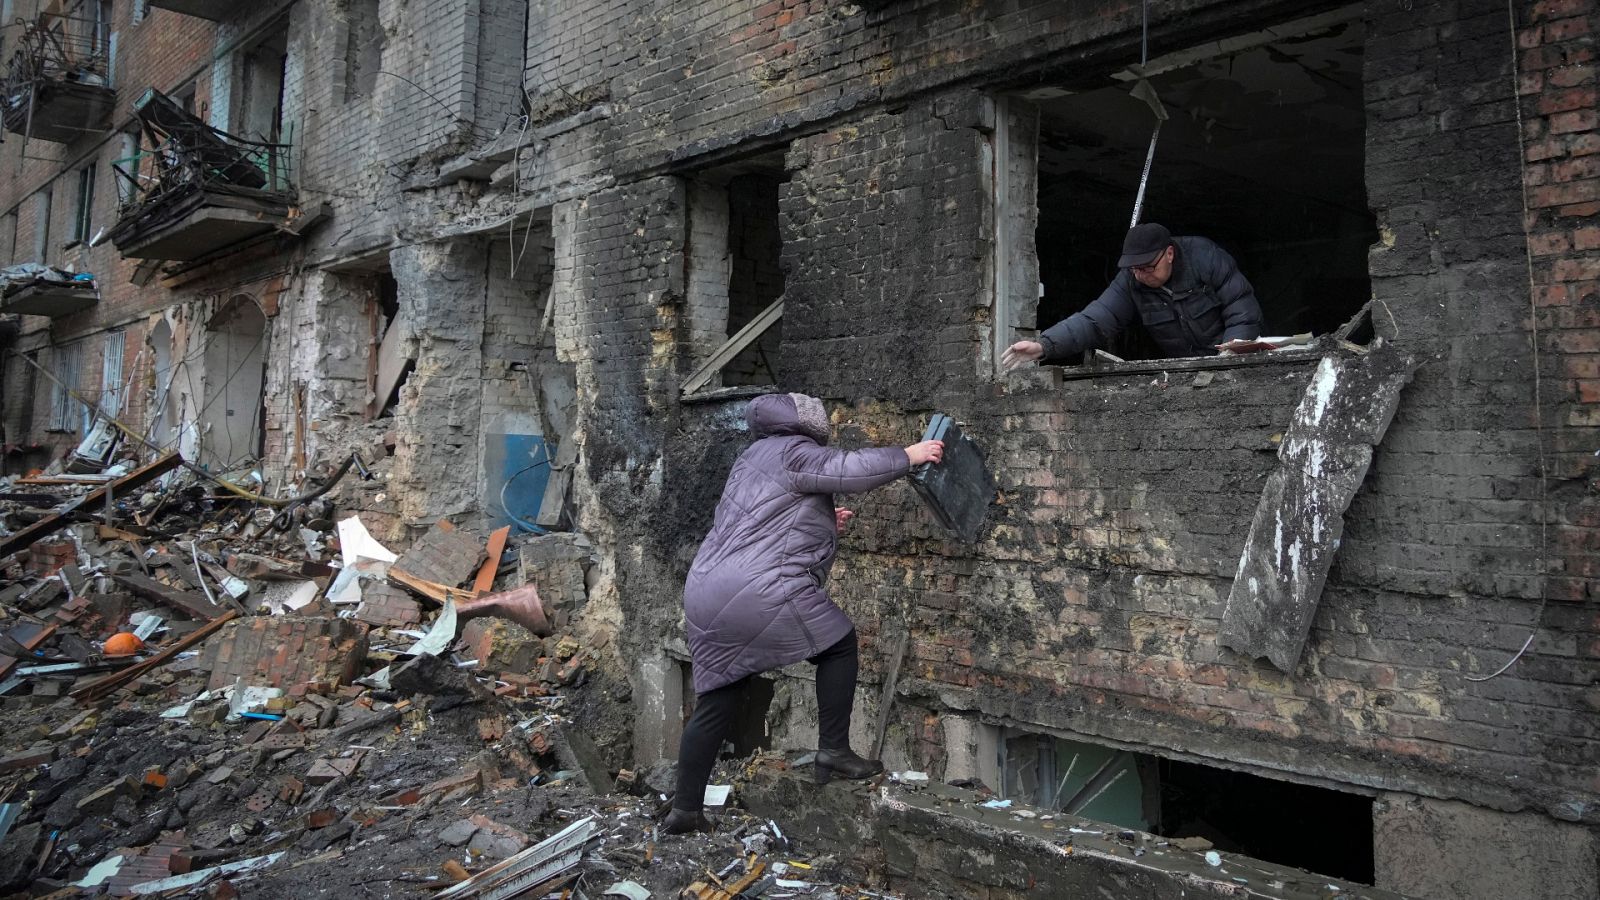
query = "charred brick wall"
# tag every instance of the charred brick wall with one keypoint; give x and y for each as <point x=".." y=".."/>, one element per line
<point x="1092" y="605"/>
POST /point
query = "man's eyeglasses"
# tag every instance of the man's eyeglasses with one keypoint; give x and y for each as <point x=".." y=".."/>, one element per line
<point x="1150" y="266"/>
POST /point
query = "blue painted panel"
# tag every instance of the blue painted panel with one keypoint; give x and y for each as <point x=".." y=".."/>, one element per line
<point x="507" y="460"/>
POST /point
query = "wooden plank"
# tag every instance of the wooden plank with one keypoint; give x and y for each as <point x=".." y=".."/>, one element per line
<point x="891" y="678"/>
<point x="484" y="583"/>
<point x="432" y="590"/>
<point x="26" y="537"/>
<point x="193" y="603"/>
<point x="725" y="354"/>
<point x="97" y="689"/>
<point x="392" y="361"/>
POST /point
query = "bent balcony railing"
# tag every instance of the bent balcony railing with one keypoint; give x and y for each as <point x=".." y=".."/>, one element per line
<point x="186" y="167"/>
<point x="57" y="86"/>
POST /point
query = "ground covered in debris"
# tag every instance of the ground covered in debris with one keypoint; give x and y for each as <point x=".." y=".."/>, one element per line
<point x="205" y="697"/>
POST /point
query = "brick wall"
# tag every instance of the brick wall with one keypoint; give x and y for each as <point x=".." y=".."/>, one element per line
<point x="1092" y="604"/>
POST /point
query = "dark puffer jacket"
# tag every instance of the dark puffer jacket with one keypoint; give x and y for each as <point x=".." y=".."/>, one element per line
<point x="1206" y="302"/>
<point x="755" y="598"/>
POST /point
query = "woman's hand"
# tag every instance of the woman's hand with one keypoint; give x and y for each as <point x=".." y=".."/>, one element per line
<point x="841" y="516"/>
<point x="925" y="451"/>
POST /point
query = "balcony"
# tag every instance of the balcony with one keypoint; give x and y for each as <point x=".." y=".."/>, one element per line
<point x="35" y="290"/>
<point x="56" y="88"/>
<point x="193" y="190"/>
<point x="215" y="10"/>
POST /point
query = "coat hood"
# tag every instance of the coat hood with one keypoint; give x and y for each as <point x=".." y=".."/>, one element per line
<point x="777" y="415"/>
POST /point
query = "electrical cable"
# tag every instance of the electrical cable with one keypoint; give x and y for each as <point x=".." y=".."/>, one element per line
<point x="544" y="449"/>
<point x="1538" y="374"/>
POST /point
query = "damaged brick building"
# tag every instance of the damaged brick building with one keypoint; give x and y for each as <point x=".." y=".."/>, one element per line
<point x="1332" y="606"/>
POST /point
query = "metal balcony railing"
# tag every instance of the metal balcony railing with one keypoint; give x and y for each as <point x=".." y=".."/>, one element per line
<point x="184" y="164"/>
<point x="55" y="52"/>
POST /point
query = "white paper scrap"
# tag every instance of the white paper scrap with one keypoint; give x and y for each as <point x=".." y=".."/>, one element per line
<point x="355" y="542"/>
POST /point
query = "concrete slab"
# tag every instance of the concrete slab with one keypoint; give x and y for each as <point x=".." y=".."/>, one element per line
<point x="941" y="841"/>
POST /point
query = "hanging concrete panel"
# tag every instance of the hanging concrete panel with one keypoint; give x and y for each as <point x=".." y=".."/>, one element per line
<point x="1324" y="457"/>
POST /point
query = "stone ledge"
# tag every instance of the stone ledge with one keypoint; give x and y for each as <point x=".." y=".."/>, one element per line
<point x="939" y="841"/>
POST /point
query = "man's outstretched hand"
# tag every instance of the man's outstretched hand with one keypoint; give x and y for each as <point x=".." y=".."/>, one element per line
<point x="840" y="517"/>
<point x="1021" y="353"/>
<point x="925" y="451"/>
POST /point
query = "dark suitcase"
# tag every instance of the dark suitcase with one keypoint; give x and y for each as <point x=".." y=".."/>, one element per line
<point x="959" y="489"/>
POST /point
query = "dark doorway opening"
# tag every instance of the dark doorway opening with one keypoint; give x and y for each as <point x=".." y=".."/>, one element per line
<point x="748" y="731"/>
<point x="1264" y="153"/>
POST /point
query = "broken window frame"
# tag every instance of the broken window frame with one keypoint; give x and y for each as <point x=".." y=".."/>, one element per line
<point x="1007" y="315"/>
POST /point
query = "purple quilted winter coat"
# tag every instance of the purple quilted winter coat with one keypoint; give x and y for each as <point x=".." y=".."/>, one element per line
<point x="755" y="598"/>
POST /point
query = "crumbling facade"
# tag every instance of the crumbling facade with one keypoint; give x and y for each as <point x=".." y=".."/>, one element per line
<point x="518" y="244"/>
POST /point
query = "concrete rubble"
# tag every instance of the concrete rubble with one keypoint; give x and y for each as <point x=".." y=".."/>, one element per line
<point x="259" y="758"/>
<point x="377" y="743"/>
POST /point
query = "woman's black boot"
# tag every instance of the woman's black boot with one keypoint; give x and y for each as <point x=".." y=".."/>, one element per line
<point x="845" y="764"/>
<point x="683" y="821"/>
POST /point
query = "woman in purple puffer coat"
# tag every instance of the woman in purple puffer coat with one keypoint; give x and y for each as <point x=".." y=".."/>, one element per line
<point x="755" y="599"/>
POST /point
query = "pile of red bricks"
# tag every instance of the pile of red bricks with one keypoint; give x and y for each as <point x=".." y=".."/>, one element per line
<point x="45" y="558"/>
<point x="279" y="651"/>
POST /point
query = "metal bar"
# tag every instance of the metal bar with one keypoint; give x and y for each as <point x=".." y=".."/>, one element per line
<point x="536" y="858"/>
<point x="1102" y="779"/>
<point x="1144" y="178"/>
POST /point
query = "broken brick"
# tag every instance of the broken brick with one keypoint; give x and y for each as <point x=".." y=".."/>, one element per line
<point x="102" y="800"/>
<point x="26" y="759"/>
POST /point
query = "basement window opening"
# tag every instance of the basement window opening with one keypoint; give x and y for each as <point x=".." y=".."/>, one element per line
<point x="1313" y="828"/>
<point x="735" y="279"/>
<point x="1263" y="153"/>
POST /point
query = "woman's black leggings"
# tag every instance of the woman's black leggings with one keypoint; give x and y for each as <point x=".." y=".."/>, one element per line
<point x="713" y="711"/>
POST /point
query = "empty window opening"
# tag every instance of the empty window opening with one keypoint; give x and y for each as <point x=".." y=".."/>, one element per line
<point x="83" y="216"/>
<point x="66" y="413"/>
<point x="41" y="226"/>
<point x="1317" y="829"/>
<point x="261" y="104"/>
<point x="755" y="281"/>
<point x="164" y="402"/>
<point x="1263" y="153"/>
<point x="735" y="281"/>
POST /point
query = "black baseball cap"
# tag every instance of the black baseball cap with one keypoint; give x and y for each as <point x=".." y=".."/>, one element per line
<point x="1143" y="244"/>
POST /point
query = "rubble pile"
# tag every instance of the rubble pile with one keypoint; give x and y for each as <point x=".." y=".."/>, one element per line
<point x="208" y="696"/>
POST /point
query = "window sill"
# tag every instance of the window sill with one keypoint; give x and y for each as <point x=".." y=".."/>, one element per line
<point x="741" y="392"/>
<point x="1189" y="363"/>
